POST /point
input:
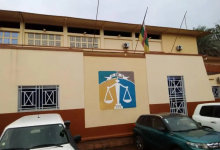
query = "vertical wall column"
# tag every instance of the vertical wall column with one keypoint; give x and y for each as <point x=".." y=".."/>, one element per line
<point x="102" y="40"/>
<point x="133" y="41"/>
<point x="65" y="37"/>
<point x="21" y="34"/>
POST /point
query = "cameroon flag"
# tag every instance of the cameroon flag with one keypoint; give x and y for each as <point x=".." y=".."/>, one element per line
<point x="143" y="38"/>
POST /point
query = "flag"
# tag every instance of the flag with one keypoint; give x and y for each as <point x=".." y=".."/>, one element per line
<point x="143" y="38"/>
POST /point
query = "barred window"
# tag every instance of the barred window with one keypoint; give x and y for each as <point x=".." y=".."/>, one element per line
<point x="31" y="98"/>
<point x="216" y="91"/>
<point x="44" y="39"/>
<point x="8" y="37"/>
<point x="83" y="42"/>
<point x="177" y="96"/>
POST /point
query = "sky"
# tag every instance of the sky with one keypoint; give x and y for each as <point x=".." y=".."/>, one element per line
<point x="166" y="13"/>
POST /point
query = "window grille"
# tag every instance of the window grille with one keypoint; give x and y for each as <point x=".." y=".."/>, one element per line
<point x="32" y="98"/>
<point x="83" y="42"/>
<point x="8" y="37"/>
<point x="216" y="91"/>
<point x="44" y="39"/>
<point x="177" y="97"/>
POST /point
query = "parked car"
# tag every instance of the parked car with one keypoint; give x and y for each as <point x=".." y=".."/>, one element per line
<point x="173" y="132"/>
<point x="38" y="132"/>
<point x="208" y="115"/>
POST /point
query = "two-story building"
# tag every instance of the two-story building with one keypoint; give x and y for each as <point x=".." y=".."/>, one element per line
<point x="212" y="65"/>
<point x="96" y="78"/>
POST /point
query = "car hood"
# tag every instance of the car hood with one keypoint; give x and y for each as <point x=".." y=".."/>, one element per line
<point x="199" y="136"/>
<point x="65" y="147"/>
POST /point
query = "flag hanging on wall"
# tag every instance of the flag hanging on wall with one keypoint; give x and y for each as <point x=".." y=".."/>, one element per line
<point x="143" y="38"/>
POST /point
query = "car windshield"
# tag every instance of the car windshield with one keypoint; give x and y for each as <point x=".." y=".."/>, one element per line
<point x="33" y="137"/>
<point x="181" y="123"/>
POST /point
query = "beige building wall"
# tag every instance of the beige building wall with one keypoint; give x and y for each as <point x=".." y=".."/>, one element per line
<point x="197" y="86"/>
<point x="154" y="46"/>
<point x="188" y="42"/>
<point x="94" y="116"/>
<point x="31" y="67"/>
<point x="117" y="43"/>
<point x="213" y="80"/>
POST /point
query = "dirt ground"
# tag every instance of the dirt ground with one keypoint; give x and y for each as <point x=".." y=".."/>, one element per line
<point x="126" y="147"/>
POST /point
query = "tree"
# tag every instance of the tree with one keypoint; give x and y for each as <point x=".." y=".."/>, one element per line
<point x="210" y="44"/>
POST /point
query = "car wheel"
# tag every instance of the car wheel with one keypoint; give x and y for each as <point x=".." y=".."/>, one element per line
<point x="139" y="143"/>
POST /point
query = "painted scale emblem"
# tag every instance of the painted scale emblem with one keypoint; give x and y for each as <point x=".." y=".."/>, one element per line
<point x="116" y="89"/>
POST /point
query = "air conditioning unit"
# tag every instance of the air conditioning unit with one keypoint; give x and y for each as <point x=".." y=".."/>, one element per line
<point x="218" y="80"/>
<point x="179" y="48"/>
<point x="125" y="45"/>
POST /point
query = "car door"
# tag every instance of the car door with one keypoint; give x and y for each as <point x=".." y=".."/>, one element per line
<point x="160" y="138"/>
<point x="206" y="113"/>
<point x="146" y="131"/>
<point x="215" y="120"/>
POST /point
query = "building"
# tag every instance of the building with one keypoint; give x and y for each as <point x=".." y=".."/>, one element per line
<point x="49" y="64"/>
<point x="212" y="65"/>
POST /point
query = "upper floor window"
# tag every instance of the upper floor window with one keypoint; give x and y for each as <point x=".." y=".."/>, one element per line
<point x="41" y="27"/>
<point x="151" y="36"/>
<point x="8" y="37"/>
<point x="117" y="33"/>
<point x="83" y="30"/>
<point x="216" y="91"/>
<point x="83" y="42"/>
<point x="38" y="97"/>
<point x="44" y="39"/>
<point x="6" y="24"/>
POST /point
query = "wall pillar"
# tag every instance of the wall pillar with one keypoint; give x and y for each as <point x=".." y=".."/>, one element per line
<point x="65" y="37"/>
<point x="21" y="34"/>
<point x="102" y="40"/>
<point x="134" y="42"/>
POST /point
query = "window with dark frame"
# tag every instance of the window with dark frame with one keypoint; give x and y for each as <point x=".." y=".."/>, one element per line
<point x="207" y="111"/>
<point x="32" y="98"/>
<point x="82" y="30"/>
<point x="7" y="24"/>
<point x="41" y="27"/>
<point x="117" y="33"/>
<point x="151" y="36"/>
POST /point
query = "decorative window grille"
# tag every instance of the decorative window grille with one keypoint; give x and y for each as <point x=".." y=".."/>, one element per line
<point x="32" y="98"/>
<point x="216" y="91"/>
<point x="83" y="42"/>
<point x="8" y="37"/>
<point x="44" y="39"/>
<point x="177" y="97"/>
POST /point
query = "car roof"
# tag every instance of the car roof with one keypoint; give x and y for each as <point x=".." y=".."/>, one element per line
<point x="165" y="115"/>
<point x="208" y="104"/>
<point x="36" y="120"/>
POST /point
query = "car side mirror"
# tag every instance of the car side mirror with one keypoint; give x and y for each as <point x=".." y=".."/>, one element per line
<point x="161" y="129"/>
<point x="67" y="124"/>
<point x="77" y="138"/>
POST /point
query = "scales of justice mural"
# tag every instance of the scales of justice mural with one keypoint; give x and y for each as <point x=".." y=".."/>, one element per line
<point x="116" y="90"/>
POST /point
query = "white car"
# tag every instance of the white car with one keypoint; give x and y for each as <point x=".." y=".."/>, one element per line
<point x="208" y="115"/>
<point x="44" y="131"/>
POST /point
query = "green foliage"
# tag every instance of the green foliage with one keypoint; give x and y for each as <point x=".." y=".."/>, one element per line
<point x="210" y="44"/>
